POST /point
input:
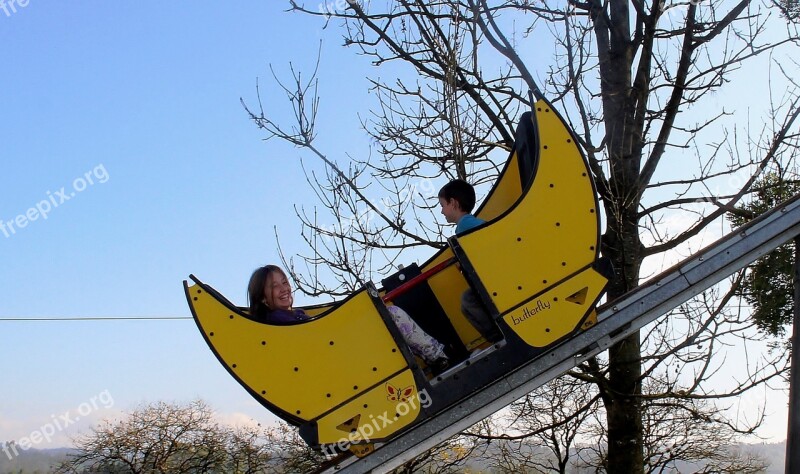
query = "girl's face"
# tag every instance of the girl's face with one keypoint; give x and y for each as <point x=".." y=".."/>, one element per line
<point x="278" y="292"/>
<point x="450" y="209"/>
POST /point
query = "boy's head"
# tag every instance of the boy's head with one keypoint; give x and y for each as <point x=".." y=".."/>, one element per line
<point x="456" y="198"/>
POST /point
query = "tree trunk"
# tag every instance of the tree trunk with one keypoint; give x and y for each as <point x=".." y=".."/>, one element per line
<point x="623" y="405"/>
<point x="625" y="443"/>
<point x="621" y="242"/>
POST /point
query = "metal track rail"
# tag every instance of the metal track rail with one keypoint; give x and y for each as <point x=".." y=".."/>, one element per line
<point x="616" y="321"/>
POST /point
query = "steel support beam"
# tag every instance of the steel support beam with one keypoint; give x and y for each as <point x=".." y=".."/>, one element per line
<point x="792" y="461"/>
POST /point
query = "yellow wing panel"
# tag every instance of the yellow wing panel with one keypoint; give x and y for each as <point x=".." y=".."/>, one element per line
<point x="376" y="414"/>
<point x="550" y="234"/>
<point x="557" y="312"/>
<point x="504" y="193"/>
<point x="448" y="285"/>
<point x="304" y="369"/>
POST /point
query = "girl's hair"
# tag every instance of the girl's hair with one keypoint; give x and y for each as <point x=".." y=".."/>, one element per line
<point x="461" y="191"/>
<point x="255" y="289"/>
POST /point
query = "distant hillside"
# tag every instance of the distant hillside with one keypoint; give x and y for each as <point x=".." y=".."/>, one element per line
<point x="42" y="461"/>
<point x="775" y="453"/>
<point x="32" y="461"/>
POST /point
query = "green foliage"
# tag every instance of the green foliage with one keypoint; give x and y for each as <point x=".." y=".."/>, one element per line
<point x="768" y="286"/>
<point x="790" y="9"/>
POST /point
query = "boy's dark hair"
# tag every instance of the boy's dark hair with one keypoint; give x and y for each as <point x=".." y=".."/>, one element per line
<point x="461" y="191"/>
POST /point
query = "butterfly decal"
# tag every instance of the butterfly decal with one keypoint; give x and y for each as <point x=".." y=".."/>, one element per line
<point x="397" y="395"/>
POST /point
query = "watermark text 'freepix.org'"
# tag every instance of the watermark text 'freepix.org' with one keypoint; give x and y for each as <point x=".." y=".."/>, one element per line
<point x="43" y="208"/>
<point x="57" y="424"/>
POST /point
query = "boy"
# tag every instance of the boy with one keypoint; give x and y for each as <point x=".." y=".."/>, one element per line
<point x="457" y="199"/>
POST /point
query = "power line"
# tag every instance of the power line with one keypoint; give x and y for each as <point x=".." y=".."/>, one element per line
<point x="103" y="318"/>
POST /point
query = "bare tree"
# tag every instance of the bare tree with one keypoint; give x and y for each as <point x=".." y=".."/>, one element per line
<point x="166" y="437"/>
<point x="549" y="423"/>
<point x="638" y="82"/>
<point x="451" y="457"/>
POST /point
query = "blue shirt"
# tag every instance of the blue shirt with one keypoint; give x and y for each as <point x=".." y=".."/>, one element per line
<point x="467" y="222"/>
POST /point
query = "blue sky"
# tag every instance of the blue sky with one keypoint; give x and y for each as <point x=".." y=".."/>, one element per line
<point x="131" y="111"/>
<point x="144" y="97"/>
